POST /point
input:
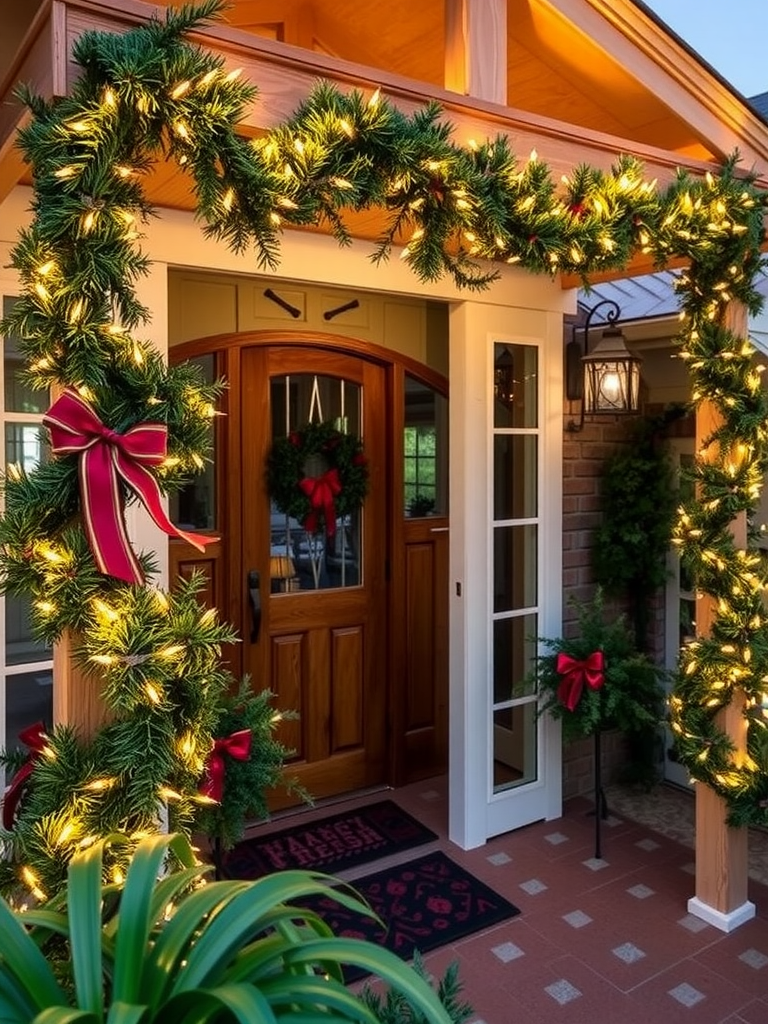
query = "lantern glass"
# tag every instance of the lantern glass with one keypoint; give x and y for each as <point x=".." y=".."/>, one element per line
<point x="612" y="376"/>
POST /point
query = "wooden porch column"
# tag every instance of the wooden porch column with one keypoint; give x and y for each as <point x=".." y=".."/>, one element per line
<point x="476" y="48"/>
<point x="722" y="867"/>
<point x="76" y="696"/>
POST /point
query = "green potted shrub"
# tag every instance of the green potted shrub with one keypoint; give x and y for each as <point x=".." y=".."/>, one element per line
<point x="621" y="689"/>
<point x="164" y="949"/>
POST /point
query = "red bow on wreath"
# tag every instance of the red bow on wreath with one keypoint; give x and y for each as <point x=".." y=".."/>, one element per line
<point x="107" y="457"/>
<point x="238" y="746"/>
<point x="575" y="674"/>
<point x="321" y="490"/>
<point x="34" y="737"/>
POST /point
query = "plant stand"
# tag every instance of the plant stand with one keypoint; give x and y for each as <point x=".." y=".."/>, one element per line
<point x="601" y="804"/>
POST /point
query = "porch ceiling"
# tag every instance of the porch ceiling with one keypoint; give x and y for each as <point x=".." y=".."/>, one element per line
<point x="582" y="82"/>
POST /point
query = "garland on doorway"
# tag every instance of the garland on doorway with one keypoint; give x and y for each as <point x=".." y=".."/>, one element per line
<point x="148" y="95"/>
<point x="316" y="475"/>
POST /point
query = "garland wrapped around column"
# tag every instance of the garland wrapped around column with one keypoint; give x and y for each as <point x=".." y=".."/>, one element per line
<point x="149" y="95"/>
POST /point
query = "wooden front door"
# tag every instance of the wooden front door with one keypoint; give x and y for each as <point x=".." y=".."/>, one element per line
<point x="315" y="619"/>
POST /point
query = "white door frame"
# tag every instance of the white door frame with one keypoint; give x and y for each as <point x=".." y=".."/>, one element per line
<point x="475" y="812"/>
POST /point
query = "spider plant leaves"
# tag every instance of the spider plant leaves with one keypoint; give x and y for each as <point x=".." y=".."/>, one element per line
<point x="162" y="949"/>
<point x="84" y="893"/>
<point x="24" y="966"/>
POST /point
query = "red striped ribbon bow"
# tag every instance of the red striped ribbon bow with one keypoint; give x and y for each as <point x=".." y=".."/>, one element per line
<point x="105" y="458"/>
<point x="321" y="490"/>
<point x="576" y="673"/>
<point x="238" y="745"/>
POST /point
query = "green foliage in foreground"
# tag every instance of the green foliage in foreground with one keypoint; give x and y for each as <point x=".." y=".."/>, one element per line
<point x="164" y="949"/>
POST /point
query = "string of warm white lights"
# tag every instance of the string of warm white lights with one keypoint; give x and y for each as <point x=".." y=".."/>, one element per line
<point x="149" y="94"/>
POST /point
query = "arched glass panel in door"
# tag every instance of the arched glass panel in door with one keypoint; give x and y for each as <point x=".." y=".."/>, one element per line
<point x="301" y="560"/>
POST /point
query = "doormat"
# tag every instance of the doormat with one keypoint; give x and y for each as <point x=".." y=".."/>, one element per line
<point x="425" y="903"/>
<point x="329" y="844"/>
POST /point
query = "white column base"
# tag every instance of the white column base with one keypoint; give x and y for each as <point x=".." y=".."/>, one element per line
<point x="725" y="922"/>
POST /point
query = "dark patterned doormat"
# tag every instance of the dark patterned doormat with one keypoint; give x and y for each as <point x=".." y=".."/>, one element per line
<point x="425" y="903"/>
<point x="329" y="844"/>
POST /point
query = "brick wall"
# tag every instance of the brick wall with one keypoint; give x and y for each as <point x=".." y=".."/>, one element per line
<point x="584" y="453"/>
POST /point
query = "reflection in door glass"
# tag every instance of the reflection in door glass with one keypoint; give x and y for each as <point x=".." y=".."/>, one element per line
<point x="514" y="746"/>
<point x="425" y="450"/>
<point x="301" y="560"/>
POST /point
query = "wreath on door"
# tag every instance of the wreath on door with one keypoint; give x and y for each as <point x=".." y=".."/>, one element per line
<point x="316" y="475"/>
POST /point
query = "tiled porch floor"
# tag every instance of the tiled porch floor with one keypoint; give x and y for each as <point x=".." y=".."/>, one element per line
<point x="598" y="942"/>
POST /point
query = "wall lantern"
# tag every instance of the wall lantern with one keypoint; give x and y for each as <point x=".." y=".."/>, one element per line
<point x="607" y="378"/>
<point x="504" y="378"/>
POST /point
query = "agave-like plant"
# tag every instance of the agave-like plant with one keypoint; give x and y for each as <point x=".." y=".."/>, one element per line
<point x="164" y="949"/>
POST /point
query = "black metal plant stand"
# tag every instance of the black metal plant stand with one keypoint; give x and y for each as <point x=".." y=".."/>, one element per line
<point x="601" y="805"/>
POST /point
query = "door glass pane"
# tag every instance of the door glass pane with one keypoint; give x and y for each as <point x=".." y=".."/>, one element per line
<point x="515" y="557"/>
<point x="515" y="476"/>
<point x="19" y="397"/>
<point x="29" y="699"/>
<point x="300" y="559"/>
<point x="425" y="450"/>
<point x="25" y="445"/>
<point x="514" y="648"/>
<point x="194" y="506"/>
<point x="515" y="386"/>
<point x="20" y="646"/>
<point x="514" y="746"/>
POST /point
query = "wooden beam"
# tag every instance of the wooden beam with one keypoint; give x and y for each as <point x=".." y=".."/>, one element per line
<point x="76" y="695"/>
<point x="476" y="49"/>
<point x="722" y="866"/>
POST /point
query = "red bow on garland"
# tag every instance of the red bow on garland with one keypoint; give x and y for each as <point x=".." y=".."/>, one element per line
<point x="238" y="746"/>
<point x="105" y="458"/>
<point x="321" y="490"/>
<point x="575" y="673"/>
<point x="34" y="737"/>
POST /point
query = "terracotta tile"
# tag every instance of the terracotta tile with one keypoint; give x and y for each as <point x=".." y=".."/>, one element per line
<point x="741" y="958"/>
<point x="704" y="996"/>
<point x="584" y="931"/>
<point x="566" y="990"/>
<point x="755" y="1012"/>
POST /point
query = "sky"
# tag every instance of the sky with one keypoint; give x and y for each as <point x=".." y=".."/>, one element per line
<point x="731" y="35"/>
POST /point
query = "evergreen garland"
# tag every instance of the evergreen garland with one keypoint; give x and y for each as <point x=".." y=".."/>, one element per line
<point x="148" y="95"/>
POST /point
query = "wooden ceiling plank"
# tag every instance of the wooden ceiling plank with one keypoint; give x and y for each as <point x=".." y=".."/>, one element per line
<point x="476" y="48"/>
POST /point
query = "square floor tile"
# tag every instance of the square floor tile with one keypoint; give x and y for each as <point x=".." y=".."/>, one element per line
<point x="497" y="859"/>
<point x="693" y="924"/>
<point x="556" y="838"/>
<point x="641" y="892"/>
<point x="686" y="994"/>
<point x="595" y="863"/>
<point x="649" y="845"/>
<point x="507" y="952"/>
<point x="577" y="919"/>
<point x="533" y="886"/>
<point x="562" y="991"/>
<point x="628" y="952"/>
<point x="754" y="958"/>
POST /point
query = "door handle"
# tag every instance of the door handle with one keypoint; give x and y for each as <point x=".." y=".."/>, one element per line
<point x="254" y="596"/>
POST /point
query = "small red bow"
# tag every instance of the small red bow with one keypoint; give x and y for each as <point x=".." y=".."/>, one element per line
<point x="238" y="746"/>
<point x="34" y="737"/>
<point x="105" y="458"/>
<point x="321" y="490"/>
<point x="575" y="673"/>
